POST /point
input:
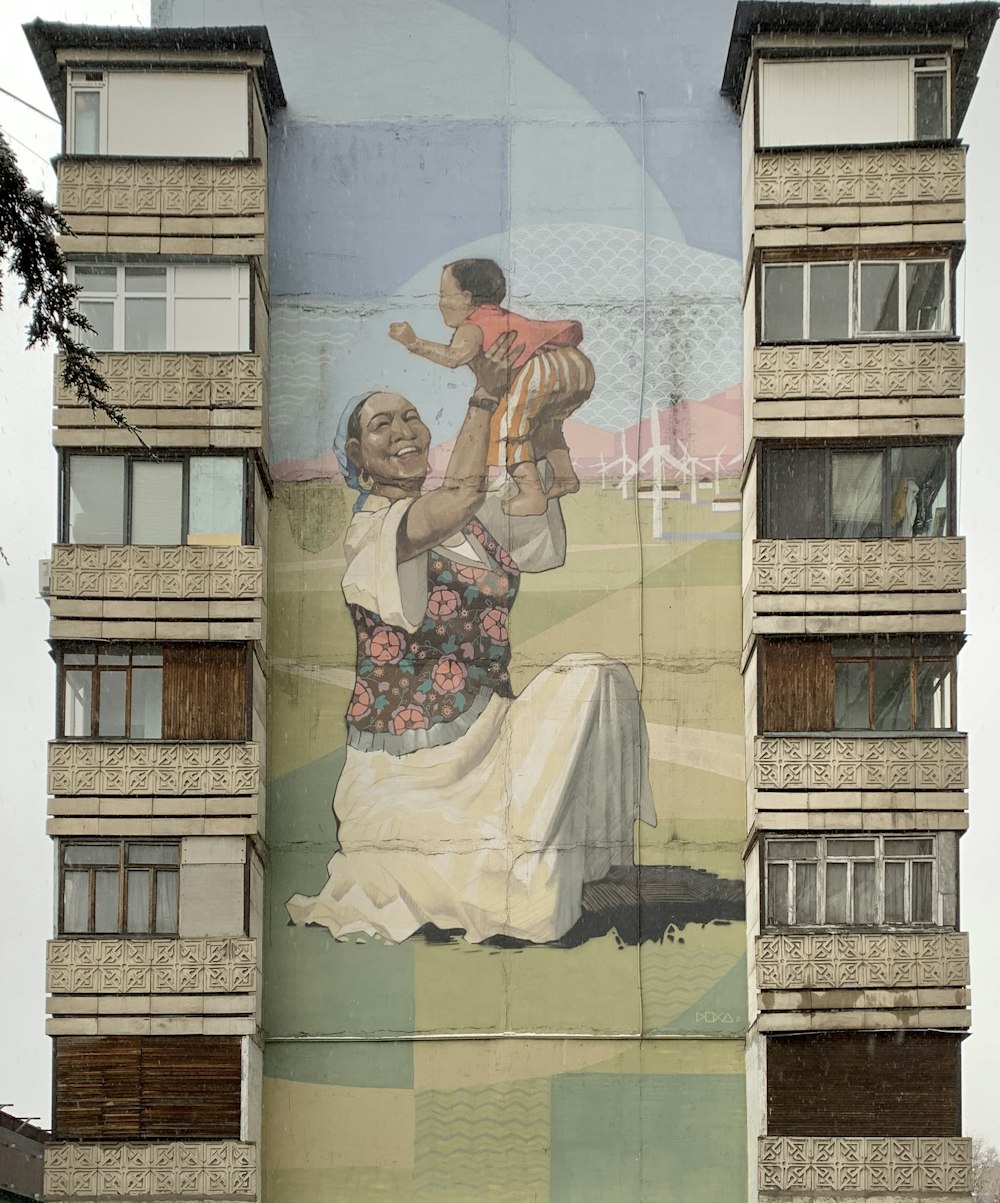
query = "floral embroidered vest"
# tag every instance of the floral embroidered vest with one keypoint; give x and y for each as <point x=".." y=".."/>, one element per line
<point x="426" y="689"/>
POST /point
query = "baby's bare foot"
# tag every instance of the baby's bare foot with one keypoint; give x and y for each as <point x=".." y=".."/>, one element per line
<point x="562" y="485"/>
<point x="526" y="503"/>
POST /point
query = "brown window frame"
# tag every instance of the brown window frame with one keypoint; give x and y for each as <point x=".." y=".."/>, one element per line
<point x="871" y="656"/>
<point x="97" y="670"/>
<point x="122" y="869"/>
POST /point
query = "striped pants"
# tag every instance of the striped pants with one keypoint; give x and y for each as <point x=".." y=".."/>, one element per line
<point x="528" y="422"/>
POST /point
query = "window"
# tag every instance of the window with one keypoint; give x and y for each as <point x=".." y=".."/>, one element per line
<point x="876" y="683"/>
<point x="87" y="128"/>
<point x="857" y="493"/>
<point x="894" y="684"/>
<point x="866" y="298"/>
<point x="853" y="881"/>
<point x="192" y="500"/>
<point x="112" y="692"/>
<point x="119" y="888"/>
<point x="826" y="101"/>
<point x="170" y="691"/>
<point x="176" y="307"/>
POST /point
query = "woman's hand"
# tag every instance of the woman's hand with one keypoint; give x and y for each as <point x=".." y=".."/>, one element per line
<point x="496" y="368"/>
<point x="403" y="333"/>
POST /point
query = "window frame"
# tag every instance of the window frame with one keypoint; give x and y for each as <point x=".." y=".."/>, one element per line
<point x="868" y="654"/>
<point x="875" y="54"/>
<point x="950" y="446"/>
<point x="822" y="859"/>
<point x="131" y="457"/>
<point x="96" y="650"/>
<point x="122" y="869"/>
<point x="854" y="264"/>
<point x="86" y="80"/>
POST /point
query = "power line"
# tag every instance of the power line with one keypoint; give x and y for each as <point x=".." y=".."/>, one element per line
<point x="29" y="149"/>
<point x="27" y="105"/>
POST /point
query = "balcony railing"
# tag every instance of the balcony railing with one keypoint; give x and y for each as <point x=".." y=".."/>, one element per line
<point x="876" y="763"/>
<point x="830" y="371"/>
<point x="168" y="1172"/>
<point x="137" y="573"/>
<point x="863" y="1166"/>
<point x="858" y="565"/>
<point x="105" y="769"/>
<point x="862" y="961"/>
<point x="210" y="965"/>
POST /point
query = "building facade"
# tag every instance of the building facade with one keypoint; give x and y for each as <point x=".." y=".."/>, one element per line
<point x="600" y="845"/>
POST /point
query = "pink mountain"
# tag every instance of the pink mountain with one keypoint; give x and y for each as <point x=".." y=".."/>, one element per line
<point x="705" y="429"/>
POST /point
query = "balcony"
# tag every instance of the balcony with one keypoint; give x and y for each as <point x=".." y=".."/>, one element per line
<point x="849" y="389"/>
<point x="856" y="586"/>
<point x="162" y="593"/>
<point x="163" y="206"/>
<point x="850" y="197"/>
<point x="176" y="399"/>
<point x="858" y="782"/>
<point x="149" y="788"/>
<point x="834" y="1169"/>
<point x="168" y="1172"/>
<point x="829" y="980"/>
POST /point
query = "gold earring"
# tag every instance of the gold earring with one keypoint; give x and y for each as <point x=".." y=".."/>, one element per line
<point x="366" y="481"/>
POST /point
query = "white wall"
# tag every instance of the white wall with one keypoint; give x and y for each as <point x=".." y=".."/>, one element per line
<point x="825" y="102"/>
<point x="212" y="307"/>
<point x="192" y="114"/>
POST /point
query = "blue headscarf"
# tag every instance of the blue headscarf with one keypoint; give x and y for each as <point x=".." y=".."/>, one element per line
<point x="347" y="469"/>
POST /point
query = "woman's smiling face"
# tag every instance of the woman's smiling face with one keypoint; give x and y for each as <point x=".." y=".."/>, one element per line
<point x="393" y="443"/>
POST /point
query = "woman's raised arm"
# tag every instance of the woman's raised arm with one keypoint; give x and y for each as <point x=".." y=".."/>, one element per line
<point x="442" y="512"/>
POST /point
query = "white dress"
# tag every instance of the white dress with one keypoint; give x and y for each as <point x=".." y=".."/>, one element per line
<point x="497" y="831"/>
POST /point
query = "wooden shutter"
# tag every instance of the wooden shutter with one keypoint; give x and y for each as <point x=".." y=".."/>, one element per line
<point x="204" y="691"/>
<point x="96" y="1088"/>
<point x="864" y="1084"/>
<point x="147" y="1088"/>
<point x="798" y="684"/>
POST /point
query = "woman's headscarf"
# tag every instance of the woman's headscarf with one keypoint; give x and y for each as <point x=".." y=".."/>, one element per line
<point x="347" y="469"/>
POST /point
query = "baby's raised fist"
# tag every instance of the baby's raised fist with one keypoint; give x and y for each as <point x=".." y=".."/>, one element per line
<point x="402" y="332"/>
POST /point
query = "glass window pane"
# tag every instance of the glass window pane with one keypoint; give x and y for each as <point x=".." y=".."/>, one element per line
<point x="77" y="703"/>
<point x="895" y="892"/>
<point x="96" y="498"/>
<point x="854" y="848"/>
<point x="101" y="315"/>
<point x="111" y="709"/>
<point x="905" y="846"/>
<point x="893" y="702"/>
<point x="137" y="912"/>
<point x="864" y="892"/>
<point x="79" y="658"/>
<point x="147" y="703"/>
<point x="145" y="279"/>
<point x="930" y="113"/>
<point x="777" y="894"/>
<point x="879" y="309"/>
<point x="76" y="901"/>
<point x="86" y="122"/>
<point x="96" y="279"/>
<point x="856" y="495"/>
<point x="921" y="892"/>
<point x="805" y="893"/>
<point x="107" y="656"/>
<point x="157" y="498"/>
<point x="925" y="283"/>
<point x="148" y="656"/>
<point x="933" y="696"/>
<point x="783" y="303"/>
<point x="791" y="849"/>
<point x="795" y="493"/>
<point x="91" y="854"/>
<point x="850" y="705"/>
<point x="829" y="301"/>
<point x="153" y="854"/>
<point x="106" y="901"/>
<point x="836" y="893"/>
<point x="145" y="324"/>
<point x="215" y="503"/>
<point x="166" y="902"/>
<point x="918" y="479"/>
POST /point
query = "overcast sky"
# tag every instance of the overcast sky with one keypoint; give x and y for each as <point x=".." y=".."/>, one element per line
<point x="27" y="528"/>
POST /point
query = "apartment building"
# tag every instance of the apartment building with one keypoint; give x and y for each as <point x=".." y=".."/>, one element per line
<point x="645" y="889"/>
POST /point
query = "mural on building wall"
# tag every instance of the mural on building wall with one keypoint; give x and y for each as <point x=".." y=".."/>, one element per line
<point x="506" y="790"/>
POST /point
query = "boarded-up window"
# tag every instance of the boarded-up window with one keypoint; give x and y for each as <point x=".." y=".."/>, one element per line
<point x="204" y="691"/>
<point x="147" y="1088"/>
<point x="864" y="1084"/>
<point x="797" y="682"/>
